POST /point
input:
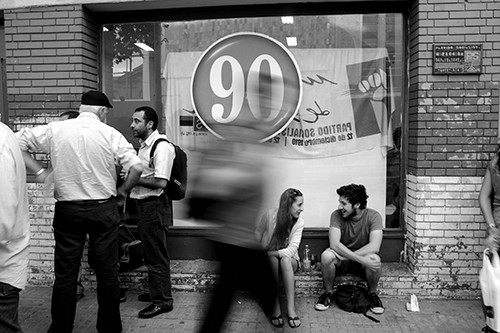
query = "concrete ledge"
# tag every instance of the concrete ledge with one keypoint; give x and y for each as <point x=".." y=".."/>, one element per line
<point x="201" y="276"/>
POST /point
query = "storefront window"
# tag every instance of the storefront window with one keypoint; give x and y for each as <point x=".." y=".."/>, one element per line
<point x="348" y="125"/>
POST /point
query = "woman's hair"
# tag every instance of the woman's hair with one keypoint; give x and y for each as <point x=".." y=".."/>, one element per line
<point x="284" y="220"/>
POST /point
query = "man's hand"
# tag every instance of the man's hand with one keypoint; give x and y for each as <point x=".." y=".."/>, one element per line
<point x="273" y="254"/>
<point x="372" y="262"/>
<point x="122" y="195"/>
<point x="123" y="174"/>
<point x="493" y="240"/>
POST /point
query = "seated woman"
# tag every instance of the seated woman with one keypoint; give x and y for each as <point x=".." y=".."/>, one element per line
<point x="280" y="233"/>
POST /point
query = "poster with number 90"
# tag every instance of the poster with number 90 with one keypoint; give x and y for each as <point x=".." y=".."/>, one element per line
<point x="246" y="80"/>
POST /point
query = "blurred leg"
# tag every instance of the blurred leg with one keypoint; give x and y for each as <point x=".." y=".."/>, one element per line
<point x="224" y="291"/>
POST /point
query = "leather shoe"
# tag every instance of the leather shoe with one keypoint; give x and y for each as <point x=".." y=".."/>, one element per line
<point x="154" y="310"/>
<point x="144" y="297"/>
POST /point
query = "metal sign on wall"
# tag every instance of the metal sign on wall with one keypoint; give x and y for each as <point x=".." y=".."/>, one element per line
<point x="457" y="59"/>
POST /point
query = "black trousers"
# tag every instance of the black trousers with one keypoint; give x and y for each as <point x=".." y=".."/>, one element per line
<point x="241" y="269"/>
<point x="72" y="222"/>
<point x="153" y="216"/>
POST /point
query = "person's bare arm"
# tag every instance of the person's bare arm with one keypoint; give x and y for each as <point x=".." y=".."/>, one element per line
<point x="131" y="180"/>
<point x="341" y="249"/>
<point x="485" y="202"/>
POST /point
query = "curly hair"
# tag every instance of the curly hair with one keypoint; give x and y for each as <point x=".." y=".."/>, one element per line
<point x="354" y="193"/>
<point x="284" y="220"/>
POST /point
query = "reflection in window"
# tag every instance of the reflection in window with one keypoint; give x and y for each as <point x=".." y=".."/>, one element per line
<point x="130" y="73"/>
<point x="130" y="49"/>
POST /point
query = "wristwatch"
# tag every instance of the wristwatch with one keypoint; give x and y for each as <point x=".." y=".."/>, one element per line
<point x="491" y="226"/>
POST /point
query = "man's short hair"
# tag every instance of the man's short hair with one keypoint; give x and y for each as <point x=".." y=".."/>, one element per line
<point x="149" y="115"/>
<point x="354" y="193"/>
<point x="70" y="114"/>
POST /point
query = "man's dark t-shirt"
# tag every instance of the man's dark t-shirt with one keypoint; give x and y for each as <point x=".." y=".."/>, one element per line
<point x="356" y="233"/>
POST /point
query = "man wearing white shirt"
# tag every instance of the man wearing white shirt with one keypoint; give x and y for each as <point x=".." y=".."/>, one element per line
<point x="84" y="153"/>
<point x="14" y="230"/>
<point x="153" y="210"/>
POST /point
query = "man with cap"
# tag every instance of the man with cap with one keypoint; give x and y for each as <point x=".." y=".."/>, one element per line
<point x="84" y="153"/>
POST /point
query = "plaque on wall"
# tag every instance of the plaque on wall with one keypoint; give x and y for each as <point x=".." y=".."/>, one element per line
<point x="457" y="59"/>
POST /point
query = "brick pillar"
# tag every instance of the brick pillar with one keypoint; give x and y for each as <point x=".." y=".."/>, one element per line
<point x="52" y="58"/>
<point x="452" y="127"/>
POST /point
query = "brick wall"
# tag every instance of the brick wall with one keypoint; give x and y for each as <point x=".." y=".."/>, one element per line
<point x="52" y="58"/>
<point x="453" y="126"/>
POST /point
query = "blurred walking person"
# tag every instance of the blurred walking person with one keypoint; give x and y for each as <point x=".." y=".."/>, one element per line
<point x="228" y="192"/>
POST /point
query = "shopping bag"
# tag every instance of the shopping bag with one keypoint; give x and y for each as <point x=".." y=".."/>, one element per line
<point x="489" y="280"/>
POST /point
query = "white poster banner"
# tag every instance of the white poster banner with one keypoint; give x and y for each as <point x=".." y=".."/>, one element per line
<point x="339" y="136"/>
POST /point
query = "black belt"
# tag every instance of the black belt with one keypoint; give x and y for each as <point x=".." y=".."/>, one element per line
<point x="87" y="202"/>
<point x="151" y="198"/>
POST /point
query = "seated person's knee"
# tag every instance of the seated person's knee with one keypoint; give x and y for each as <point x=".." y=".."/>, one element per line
<point x="286" y="261"/>
<point x="328" y="257"/>
<point x="374" y="257"/>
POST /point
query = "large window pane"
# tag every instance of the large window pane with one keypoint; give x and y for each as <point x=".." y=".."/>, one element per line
<point x="130" y="70"/>
<point x="334" y="54"/>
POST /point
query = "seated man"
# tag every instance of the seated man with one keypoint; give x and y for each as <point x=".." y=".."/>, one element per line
<point x="355" y="237"/>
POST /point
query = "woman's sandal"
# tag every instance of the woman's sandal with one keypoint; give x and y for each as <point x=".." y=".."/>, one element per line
<point x="277" y="321"/>
<point x="294" y="322"/>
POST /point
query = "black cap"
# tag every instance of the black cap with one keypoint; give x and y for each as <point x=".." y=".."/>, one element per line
<point x="94" y="97"/>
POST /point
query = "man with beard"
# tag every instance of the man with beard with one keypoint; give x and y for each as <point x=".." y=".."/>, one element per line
<point x="355" y="237"/>
<point x="153" y="210"/>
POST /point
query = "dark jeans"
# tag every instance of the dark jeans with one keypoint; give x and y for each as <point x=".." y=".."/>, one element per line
<point x="153" y="216"/>
<point x="240" y="269"/>
<point x="9" y="305"/>
<point x="72" y="222"/>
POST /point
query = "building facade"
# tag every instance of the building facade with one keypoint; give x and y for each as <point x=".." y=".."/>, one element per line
<point x="447" y="112"/>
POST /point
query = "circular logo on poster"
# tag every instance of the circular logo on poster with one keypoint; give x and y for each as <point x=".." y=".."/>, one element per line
<point x="246" y="83"/>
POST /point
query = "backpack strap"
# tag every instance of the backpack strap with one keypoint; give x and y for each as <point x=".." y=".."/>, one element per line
<point x="153" y="148"/>
<point x="371" y="318"/>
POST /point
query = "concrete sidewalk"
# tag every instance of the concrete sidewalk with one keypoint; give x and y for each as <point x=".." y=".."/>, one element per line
<point x="455" y="316"/>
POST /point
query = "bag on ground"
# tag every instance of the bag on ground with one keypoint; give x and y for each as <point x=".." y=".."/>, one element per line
<point x="353" y="298"/>
<point x="489" y="280"/>
<point x="130" y="251"/>
<point x="176" y="185"/>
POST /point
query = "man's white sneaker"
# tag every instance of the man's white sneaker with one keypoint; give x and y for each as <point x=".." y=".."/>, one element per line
<point x="324" y="302"/>
<point x="376" y="304"/>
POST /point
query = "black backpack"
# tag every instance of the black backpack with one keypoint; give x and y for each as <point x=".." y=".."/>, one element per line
<point x="353" y="298"/>
<point x="176" y="186"/>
